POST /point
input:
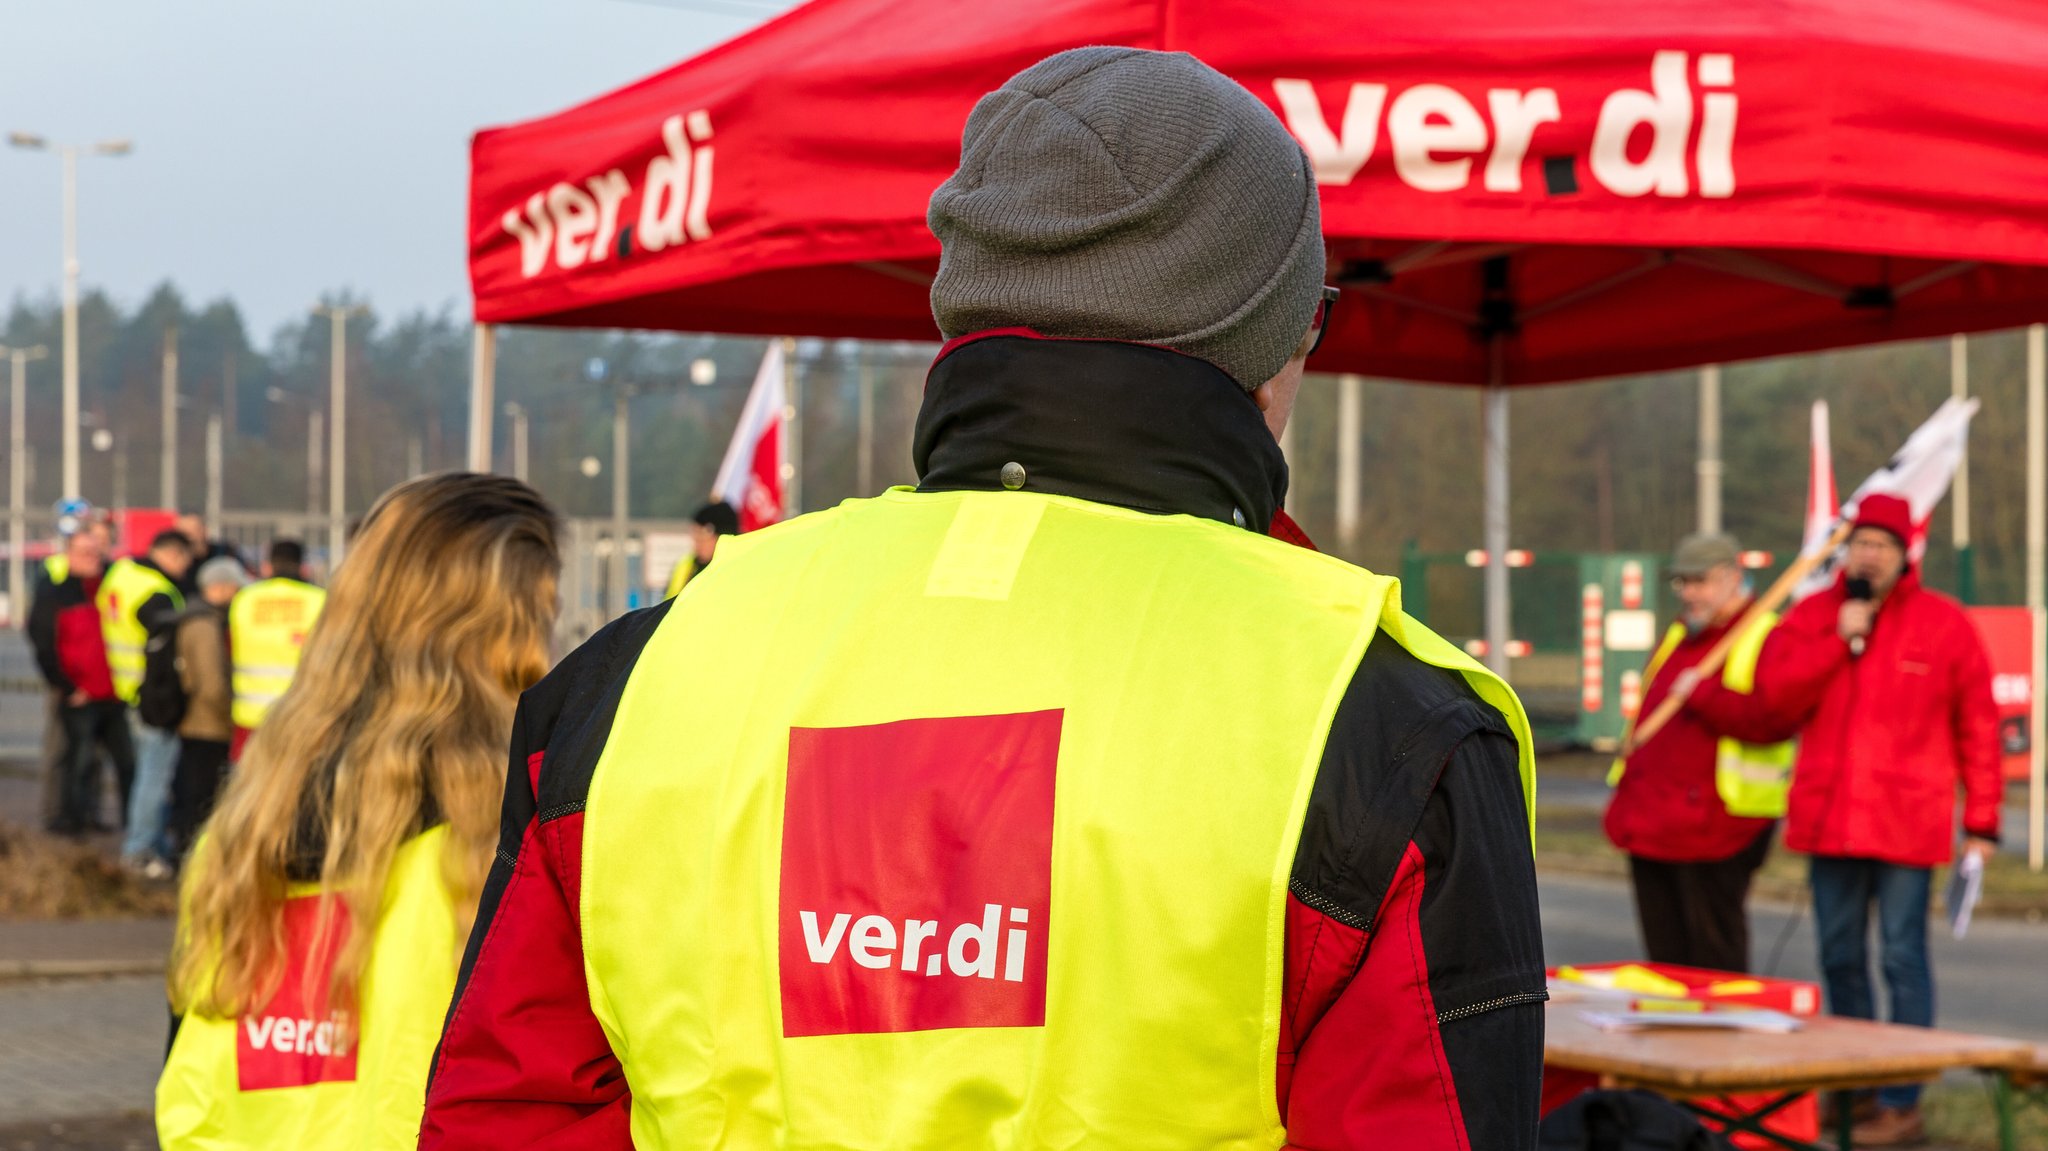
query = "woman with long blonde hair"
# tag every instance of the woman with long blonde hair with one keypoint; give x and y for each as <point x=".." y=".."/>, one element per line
<point x="324" y="911"/>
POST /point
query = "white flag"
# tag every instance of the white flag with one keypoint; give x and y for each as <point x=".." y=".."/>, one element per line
<point x="752" y="478"/>
<point x="1919" y="473"/>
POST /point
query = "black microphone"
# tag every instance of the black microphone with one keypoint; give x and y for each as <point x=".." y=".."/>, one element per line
<point x="1856" y="588"/>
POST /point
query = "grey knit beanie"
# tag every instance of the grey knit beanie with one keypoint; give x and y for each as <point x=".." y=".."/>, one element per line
<point x="1121" y="194"/>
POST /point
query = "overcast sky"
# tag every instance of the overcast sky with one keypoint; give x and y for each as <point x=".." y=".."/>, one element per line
<point x="286" y="148"/>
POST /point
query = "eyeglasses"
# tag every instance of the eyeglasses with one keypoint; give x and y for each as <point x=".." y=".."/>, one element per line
<point x="1321" y="324"/>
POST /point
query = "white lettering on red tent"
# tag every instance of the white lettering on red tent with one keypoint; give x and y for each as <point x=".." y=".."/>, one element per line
<point x="1674" y="138"/>
<point x="569" y="224"/>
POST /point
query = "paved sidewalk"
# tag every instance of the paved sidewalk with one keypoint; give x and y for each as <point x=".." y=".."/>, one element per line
<point x="80" y="1047"/>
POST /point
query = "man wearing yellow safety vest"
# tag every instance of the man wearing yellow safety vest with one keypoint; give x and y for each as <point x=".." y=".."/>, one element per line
<point x="1049" y="802"/>
<point x="267" y="626"/>
<point x="707" y="524"/>
<point x="1694" y="806"/>
<point x="139" y="598"/>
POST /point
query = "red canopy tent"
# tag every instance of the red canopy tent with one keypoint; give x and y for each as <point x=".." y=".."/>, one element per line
<point x="1513" y="193"/>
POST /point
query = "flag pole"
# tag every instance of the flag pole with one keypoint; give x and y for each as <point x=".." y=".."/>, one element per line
<point x="1770" y="601"/>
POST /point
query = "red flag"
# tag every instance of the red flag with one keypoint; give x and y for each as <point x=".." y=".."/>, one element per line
<point x="752" y="477"/>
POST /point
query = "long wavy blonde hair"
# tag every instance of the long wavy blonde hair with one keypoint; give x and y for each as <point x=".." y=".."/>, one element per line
<point x="398" y="717"/>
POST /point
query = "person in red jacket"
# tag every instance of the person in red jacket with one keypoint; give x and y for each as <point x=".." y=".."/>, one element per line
<point x="1893" y="690"/>
<point x="1690" y="860"/>
<point x="64" y="630"/>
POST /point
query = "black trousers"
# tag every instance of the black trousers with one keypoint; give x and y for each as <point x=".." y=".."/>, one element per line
<point x="202" y="768"/>
<point x="87" y="729"/>
<point x="1694" y="914"/>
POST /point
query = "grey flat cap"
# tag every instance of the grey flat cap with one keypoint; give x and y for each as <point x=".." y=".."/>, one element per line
<point x="1697" y="554"/>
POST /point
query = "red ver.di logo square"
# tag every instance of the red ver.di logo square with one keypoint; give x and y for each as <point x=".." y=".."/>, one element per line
<point x="917" y="874"/>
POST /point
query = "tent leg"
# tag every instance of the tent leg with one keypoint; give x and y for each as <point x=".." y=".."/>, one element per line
<point x="2037" y="585"/>
<point x="1494" y="433"/>
<point x="483" y="370"/>
<point x="1350" y="418"/>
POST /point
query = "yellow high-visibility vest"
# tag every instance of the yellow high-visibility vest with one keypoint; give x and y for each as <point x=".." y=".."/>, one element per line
<point x="983" y="833"/>
<point x="310" y="1079"/>
<point x="57" y="567"/>
<point x="1754" y="780"/>
<point x="267" y="626"/>
<point x="123" y="590"/>
<point x="684" y="569"/>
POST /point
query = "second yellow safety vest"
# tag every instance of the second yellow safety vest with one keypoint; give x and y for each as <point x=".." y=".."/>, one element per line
<point x="1754" y="780"/>
<point x="297" y="1076"/>
<point x="983" y="830"/>
<point x="123" y="590"/>
<point x="685" y="569"/>
<point x="267" y="626"/>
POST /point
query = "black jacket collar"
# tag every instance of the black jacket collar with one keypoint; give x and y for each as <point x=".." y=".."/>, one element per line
<point x="1125" y="424"/>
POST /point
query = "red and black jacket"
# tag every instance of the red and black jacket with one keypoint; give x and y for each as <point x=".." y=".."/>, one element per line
<point x="1411" y="1009"/>
<point x="64" y="630"/>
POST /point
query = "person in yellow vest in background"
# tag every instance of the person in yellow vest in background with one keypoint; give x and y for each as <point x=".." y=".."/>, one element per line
<point x="1051" y="803"/>
<point x="322" y="912"/>
<point x="707" y="524"/>
<point x="267" y="627"/>
<point x="1695" y="806"/>
<point x="138" y="598"/>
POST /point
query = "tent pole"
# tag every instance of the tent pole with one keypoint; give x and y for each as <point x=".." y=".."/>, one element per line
<point x="1710" y="450"/>
<point x="483" y="370"/>
<point x="1494" y="433"/>
<point x="1966" y="564"/>
<point x="2037" y="586"/>
<point x="1350" y="414"/>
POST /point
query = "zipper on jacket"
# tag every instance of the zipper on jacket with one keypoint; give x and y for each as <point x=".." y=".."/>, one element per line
<point x="1467" y="1012"/>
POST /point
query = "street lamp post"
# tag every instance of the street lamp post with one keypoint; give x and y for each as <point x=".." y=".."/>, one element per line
<point x="69" y="153"/>
<point x="167" y="482"/>
<point x="622" y="469"/>
<point x="337" y="426"/>
<point x="17" y="478"/>
<point x="518" y="415"/>
<point x="277" y="395"/>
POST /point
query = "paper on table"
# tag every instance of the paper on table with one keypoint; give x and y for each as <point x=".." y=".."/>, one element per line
<point x="1965" y="888"/>
<point x="1756" y="1019"/>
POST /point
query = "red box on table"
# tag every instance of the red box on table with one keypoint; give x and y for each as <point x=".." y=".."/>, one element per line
<point x="1800" y="1120"/>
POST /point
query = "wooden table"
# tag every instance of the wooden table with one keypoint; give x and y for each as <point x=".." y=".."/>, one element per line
<point x="1826" y="1054"/>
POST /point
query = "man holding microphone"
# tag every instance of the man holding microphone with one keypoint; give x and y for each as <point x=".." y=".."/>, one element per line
<point x="1891" y="688"/>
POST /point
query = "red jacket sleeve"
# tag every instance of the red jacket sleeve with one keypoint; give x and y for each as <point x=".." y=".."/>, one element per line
<point x="1753" y="718"/>
<point x="1974" y="715"/>
<point x="1801" y="657"/>
<point x="523" y="1061"/>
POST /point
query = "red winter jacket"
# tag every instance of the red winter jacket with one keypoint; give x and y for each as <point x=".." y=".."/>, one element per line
<point x="64" y="629"/>
<point x="1413" y="984"/>
<point x="1666" y="806"/>
<point x="1887" y="737"/>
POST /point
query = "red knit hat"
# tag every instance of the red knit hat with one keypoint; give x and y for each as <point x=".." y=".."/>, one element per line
<point x="1889" y="513"/>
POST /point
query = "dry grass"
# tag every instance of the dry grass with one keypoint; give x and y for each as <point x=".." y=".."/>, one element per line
<point x="42" y="877"/>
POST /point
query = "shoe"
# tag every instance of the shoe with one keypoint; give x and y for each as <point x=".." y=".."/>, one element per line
<point x="1891" y="1127"/>
<point x="151" y="867"/>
